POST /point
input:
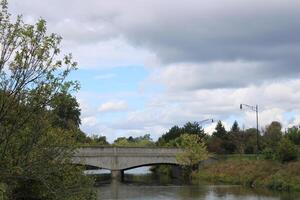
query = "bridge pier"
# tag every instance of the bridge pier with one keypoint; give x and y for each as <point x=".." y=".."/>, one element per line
<point x="117" y="174"/>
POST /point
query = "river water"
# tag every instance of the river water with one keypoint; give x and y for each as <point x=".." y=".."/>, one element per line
<point x="176" y="192"/>
<point x="150" y="187"/>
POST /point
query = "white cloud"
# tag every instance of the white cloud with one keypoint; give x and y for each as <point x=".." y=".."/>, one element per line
<point x="113" y="106"/>
<point x="208" y="59"/>
<point x="89" y="121"/>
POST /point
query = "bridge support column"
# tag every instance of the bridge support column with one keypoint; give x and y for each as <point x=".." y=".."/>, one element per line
<point x="117" y="174"/>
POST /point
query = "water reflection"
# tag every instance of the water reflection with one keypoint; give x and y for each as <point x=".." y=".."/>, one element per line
<point x="139" y="188"/>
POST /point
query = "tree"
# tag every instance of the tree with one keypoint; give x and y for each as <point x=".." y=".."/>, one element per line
<point x="96" y="140"/>
<point x="175" y="132"/>
<point x="65" y="113"/>
<point x="249" y="138"/>
<point x="273" y="135"/>
<point x="172" y="134"/>
<point x="65" y="110"/>
<point x="220" y="131"/>
<point x="294" y="135"/>
<point x="35" y="154"/>
<point x="194" y="128"/>
<point x="141" y="141"/>
<point x="236" y="138"/>
<point x="235" y="127"/>
<point x="287" y="151"/>
<point x="218" y="142"/>
<point x="194" y="150"/>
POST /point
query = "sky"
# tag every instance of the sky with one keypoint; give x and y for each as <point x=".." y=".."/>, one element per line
<point x="147" y="65"/>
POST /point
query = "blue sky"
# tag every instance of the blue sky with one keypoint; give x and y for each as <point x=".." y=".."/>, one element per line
<point x="145" y="66"/>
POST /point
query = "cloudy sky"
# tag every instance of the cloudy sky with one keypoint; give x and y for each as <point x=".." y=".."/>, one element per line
<point x="146" y="65"/>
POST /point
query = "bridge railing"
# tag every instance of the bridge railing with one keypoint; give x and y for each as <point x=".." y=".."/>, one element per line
<point x="118" y="151"/>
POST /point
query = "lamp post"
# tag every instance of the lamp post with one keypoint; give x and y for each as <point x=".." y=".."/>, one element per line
<point x="255" y="109"/>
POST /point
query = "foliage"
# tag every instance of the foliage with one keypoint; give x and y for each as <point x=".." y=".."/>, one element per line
<point x="273" y="135"/>
<point x="95" y="140"/>
<point x="35" y="151"/>
<point x="142" y="141"/>
<point x="65" y="113"/>
<point x="194" y="150"/>
<point x="222" y="141"/>
<point x="220" y="131"/>
<point x="287" y="151"/>
<point x="294" y="135"/>
<point x="175" y="132"/>
<point x="269" y="154"/>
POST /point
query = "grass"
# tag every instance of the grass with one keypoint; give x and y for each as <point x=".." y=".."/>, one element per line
<point x="254" y="173"/>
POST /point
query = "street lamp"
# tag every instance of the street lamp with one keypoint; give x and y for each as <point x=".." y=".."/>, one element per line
<point x="255" y="109"/>
<point x="206" y="121"/>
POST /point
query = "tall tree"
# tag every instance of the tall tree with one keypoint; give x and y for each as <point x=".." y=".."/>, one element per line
<point x="273" y="135"/>
<point x="235" y="127"/>
<point x="220" y="131"/>
<point x="34" y="154"/>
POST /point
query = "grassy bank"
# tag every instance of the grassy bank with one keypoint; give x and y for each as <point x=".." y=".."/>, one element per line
<point x="254" y="173"/>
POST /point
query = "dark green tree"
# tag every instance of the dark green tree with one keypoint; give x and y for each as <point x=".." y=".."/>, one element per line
<point x="235" y="127"/>
<point x="172" y="134"/>
<point x="194" y="129"/>
<point x="273" y="135"/>
<point x="220" y="131"/>
<point x="249" y="139"/>
<point x="65" y="110"/>
<point x="65" y="113"/>
<point x="294" y="135"/>
<point x="175" y="132"/>
<point x="287" y="151"/>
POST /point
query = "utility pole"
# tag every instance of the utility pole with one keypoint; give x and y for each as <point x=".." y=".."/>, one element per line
<point x="254" y="108"/>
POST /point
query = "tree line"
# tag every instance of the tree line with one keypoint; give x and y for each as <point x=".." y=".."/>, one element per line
<point x="273" y="143"/>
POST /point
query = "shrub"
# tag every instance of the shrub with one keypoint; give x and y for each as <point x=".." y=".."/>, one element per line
<point x="269" y="154"/>
<point x="287" y="151"/>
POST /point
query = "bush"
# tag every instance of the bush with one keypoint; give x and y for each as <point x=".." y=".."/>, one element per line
<point x="269" y="154"/>
<point x="287" y="151"/>
<point x="259" y="173"/>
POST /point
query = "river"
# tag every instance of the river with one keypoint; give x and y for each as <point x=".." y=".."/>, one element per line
<point x="150" y="187"/>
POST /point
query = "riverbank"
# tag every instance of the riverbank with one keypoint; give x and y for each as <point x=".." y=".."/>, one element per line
<point x="253" y="173"/>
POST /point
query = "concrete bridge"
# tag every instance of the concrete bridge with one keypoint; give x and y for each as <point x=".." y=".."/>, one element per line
<point x="119" y="159"/>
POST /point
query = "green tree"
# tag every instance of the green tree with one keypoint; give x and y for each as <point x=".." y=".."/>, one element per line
<point x="294" y="135"/>
<point x="287" y="151"/>
<point x="218" y="142"/>
<point x="65" y="113"/>
<point x="35" y="154"/>
<point x="249" y="139"/>
<point x="96" y="140"/>
<point x="176" y="131"/>
<point x="273" y="135"/>
<point x="141" y="141"/>
<point x="235" y="127"/>
<point x="220" y="130"/>
<point x="236" y="138"/>
<point x="121" y="141"/>
<point x="194" y="151"/>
